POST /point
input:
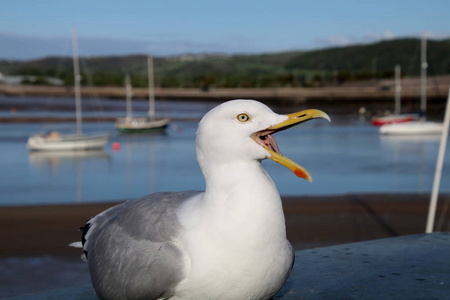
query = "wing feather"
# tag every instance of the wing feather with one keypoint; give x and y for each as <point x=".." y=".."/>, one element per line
<point x="137" y="238"/>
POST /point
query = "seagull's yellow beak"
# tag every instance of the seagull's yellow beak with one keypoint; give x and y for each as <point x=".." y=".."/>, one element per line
<point x="265" y="139"/>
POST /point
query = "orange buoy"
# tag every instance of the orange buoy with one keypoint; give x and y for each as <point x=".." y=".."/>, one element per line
<point x="116" y="146"/>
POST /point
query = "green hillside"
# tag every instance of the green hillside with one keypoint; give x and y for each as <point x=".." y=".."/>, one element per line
<point x="296" y="68"/>
<point x="381" y="57"/>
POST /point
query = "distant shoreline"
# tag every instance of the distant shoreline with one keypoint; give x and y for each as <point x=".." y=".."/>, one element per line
<point x="34" y="119"/>
<point x="382" y="91"/>
<point x="376" y="99"/>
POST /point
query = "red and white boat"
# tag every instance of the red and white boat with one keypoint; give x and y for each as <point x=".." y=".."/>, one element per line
<point x="394" y="119"/>
<point x="420" y="127"/>
<point x="397" y="117"/>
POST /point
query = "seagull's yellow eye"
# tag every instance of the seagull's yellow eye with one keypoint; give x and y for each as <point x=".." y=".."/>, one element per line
<point x="243" y="118"/>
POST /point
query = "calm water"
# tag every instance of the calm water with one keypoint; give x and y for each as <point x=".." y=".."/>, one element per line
<point x="345" y="156"/>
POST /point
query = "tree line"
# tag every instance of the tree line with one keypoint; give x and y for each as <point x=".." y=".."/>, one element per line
<point x="286" y="69"/>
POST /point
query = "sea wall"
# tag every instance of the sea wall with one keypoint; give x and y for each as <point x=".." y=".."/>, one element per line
<point x="371" y="98"/>
<point x="437" y="88"/>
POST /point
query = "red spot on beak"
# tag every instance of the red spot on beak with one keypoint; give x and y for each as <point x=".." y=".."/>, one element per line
<point x="300" y="173"/>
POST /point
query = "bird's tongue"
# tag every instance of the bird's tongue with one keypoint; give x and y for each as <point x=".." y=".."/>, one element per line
<point x="271" y="143"/>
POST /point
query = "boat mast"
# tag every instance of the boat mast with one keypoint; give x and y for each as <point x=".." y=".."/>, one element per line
<point x="398" y="89"/>
<point x="151" y="92"/>
<point x="438" y="171"/>
<point x="423" y="75"/>
<point x="77" y="79"/>
<point x="129" y="94"/>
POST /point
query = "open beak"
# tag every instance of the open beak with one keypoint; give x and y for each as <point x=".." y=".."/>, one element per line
<point x="266" y="140"/>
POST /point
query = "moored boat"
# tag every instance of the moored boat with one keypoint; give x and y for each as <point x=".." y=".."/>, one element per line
<point x="130" y="124"/>
<point x="420" y="127"/>
<point x="397" y="117"/>
<point x="394" y="119"/>
<point x="413" y="128"/>
<point x="54" y="140"/>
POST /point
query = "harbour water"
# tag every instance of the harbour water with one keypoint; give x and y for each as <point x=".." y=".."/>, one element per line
<point x="345" y="156"/>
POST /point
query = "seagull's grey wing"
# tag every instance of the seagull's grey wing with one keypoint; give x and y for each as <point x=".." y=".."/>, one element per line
<point x="131" y="248"/>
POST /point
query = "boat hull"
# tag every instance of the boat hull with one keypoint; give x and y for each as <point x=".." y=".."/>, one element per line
<point x="394" y="119"/>
<point x="136" y="125"/>
<point x="39" y="142"/>
<point x="412" y="128"/>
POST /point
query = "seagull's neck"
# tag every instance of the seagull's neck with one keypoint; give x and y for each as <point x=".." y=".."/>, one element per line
<point x="238" y="228"/>
<point x="245" y="192"/>
<point x="245" y="178"/>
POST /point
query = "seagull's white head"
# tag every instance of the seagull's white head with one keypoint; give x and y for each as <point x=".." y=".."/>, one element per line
<point x="241" y="130"/>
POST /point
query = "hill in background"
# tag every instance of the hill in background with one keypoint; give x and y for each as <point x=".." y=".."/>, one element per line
<point x="285" y="69"/>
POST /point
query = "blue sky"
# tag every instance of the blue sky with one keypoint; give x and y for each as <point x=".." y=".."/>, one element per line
<point x="33" y="29"/>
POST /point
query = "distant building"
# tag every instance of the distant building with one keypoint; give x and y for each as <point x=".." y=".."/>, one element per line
<point x="196" y="57"/>
<point x="12" y="80"/>
<point x="18" y="80"/>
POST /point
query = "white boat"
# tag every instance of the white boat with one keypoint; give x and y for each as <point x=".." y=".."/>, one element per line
<point x="141" y="124"/>
<point x="131" y="124"/>
<point x="55" y="141"/>
<point x="420" y="127"/>
<point x="413" y="128"/>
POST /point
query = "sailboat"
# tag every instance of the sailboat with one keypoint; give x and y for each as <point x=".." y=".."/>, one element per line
<point x="131" y="124"/>
<point x="54" y="140"/>
<point x="397" y="117"/>
<point x="422" y="126"/>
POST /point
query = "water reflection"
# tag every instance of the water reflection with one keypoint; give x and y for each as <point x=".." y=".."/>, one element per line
<point x="133" y="150"/>
<point x="410" y="138"/>
<point x="346" y="156"/>
<point x="150" y="161"/>
<point x="412" y="155"/>
<point x="55" y="161"/>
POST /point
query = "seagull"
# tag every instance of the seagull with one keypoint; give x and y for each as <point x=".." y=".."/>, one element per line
<point x="228" y="242"/>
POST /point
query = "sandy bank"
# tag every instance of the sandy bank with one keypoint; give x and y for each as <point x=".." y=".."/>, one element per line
<point x="382" y="91"/>
<point x="311" y="222"/>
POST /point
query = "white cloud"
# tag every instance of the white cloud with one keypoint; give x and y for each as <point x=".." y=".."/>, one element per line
<point x="388" y="35"/>
<point x="372" y="37"/>
<point x="368" y="37"/>
<point x="435" y="35"/>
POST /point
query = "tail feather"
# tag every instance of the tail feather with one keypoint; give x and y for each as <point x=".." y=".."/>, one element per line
<point x="77" y="244"/>
<point x="80" y="244"/>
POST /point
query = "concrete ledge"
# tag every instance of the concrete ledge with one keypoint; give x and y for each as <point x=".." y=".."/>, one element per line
<point x="408" y="267"/>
